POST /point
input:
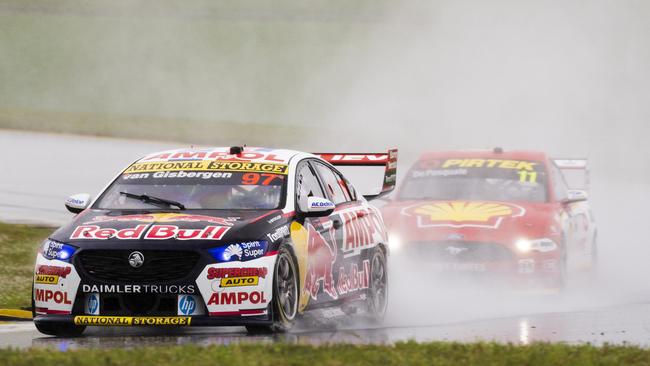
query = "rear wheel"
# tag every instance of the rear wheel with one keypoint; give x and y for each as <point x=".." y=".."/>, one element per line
<point x="378" y="291"/>
<point x="285" y="295"/>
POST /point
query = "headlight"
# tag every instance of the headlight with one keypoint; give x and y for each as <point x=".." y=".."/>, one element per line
<point x="55" y="250"/>
<point x="394" y="242"/>
<point x="243" y="251"/>
<point x="539" y="245"/>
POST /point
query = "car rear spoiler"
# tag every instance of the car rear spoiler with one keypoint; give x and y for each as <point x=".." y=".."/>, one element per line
<point x="387" y="160"/>
<point x="575" y="171"/>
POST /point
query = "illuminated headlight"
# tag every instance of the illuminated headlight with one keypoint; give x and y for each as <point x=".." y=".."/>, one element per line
<point x="55" y="250"/>
<point x="538" y="245"/>
<point x="243" y="251"/>
<point x="394" y="242"/>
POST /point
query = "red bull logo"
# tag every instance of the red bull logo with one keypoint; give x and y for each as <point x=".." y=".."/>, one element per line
<point x="164" y="217"/>
<point x="321" y="258"/>
<point x="460" y="214"/>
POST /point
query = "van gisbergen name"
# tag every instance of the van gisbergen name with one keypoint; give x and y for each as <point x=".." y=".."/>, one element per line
<point x="139" y="289"/>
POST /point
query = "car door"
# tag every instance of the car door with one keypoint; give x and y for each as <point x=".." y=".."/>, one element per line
<point x="320" y="239"/>
<point x="357" y="230"/>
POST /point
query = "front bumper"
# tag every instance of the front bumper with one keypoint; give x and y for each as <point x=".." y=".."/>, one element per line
<point x="226" y="293"/>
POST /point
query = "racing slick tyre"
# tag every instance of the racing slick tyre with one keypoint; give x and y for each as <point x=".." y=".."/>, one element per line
<point x="60" y="330"/>
<point x="378" y="289"/>
<point x="285" y="295"/>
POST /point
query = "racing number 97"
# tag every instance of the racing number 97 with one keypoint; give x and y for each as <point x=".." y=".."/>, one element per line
<point x="263" y="179"/>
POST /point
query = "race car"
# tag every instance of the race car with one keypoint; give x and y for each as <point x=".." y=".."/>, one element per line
<point x="506" y="216"/>
<point x="216" y="236"/>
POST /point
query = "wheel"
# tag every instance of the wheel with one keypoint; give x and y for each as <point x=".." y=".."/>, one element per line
<point x="378" y="291"/>
<point x="60" y="330"/>
<point x="285" y="295"/>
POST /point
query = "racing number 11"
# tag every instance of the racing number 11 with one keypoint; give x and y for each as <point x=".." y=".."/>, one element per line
<point x="527" y="177"/>
<point x="255" y="178"/>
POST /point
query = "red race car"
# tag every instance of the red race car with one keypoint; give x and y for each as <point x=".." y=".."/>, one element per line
<point x="493" y="214"/>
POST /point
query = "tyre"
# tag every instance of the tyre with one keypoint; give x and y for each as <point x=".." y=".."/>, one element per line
<point x="60" y="330"/>
<point x="285" y="295"/>
<point x="378" y="287"/>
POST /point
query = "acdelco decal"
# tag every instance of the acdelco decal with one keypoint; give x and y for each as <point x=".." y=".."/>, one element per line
<point x="131" y="321"/>
<point x="46" y="279"/>
<point x="155" y="232"/>
<point x="59" y="297"/>
<point x="237" y="298"/>
<point x="227" y="166"/>
<point x="489" y="163"/>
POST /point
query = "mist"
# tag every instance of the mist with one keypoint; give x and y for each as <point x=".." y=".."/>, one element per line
<point x="570" y="78"/>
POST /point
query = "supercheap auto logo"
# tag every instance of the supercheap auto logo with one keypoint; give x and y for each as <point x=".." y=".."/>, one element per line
<point x="207" y="165"/>
<point x="459" y="214"/>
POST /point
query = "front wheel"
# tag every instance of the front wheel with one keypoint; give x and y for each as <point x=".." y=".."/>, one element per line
<point x="285" y="295"/>
<point x="378" y="291"/>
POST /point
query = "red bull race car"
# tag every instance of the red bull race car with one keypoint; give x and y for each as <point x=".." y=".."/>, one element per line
<point x="217" y="236"/>
<point x="493" y="214"/>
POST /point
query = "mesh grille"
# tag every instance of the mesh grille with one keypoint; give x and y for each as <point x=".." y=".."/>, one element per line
<point x="158" y="266"/>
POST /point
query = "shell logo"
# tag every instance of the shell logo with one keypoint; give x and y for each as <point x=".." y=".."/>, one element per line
<point x="463" y="214"/>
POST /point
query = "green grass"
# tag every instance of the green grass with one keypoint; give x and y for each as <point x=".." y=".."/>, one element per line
<point x="18" y="245"/>
<point x="409" y="353"/>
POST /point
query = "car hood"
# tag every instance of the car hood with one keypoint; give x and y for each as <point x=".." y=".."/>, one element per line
<point x="479" y="221"/>
<point x="156" y="229"/>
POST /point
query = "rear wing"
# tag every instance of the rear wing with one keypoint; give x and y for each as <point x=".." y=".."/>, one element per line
<point x="359" y="167"/>
<point x="575" y="171"/>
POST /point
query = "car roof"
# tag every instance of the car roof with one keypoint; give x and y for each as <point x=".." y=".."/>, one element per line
<point x="486" y="154"/>
<point x="252" y="154"/>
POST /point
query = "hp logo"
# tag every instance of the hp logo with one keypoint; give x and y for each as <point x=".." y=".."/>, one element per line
<point x="187" y="305"/>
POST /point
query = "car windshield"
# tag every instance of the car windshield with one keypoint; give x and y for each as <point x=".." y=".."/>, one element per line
<point x="476" y="179"/>
<point x="205" y="185"/>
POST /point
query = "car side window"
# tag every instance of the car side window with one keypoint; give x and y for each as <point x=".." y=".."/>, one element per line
<point x="334" y="184"/>
<point x="559" y="184"/>
<point x="307" y="184"/>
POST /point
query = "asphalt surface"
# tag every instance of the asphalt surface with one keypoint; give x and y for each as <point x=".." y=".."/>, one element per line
<point x="41" y="170"/>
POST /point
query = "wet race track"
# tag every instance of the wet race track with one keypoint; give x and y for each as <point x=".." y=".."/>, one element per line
<point x="591" y="310"/>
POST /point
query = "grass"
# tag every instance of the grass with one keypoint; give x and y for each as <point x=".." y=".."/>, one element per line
<point x="18" y="245"/>
<point x="409" y="353"/>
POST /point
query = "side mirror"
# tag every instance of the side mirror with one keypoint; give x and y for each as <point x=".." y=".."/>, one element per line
<point x="576" y="195"/>
<point x="77" y="203"/>
<point x="318" y="207"/>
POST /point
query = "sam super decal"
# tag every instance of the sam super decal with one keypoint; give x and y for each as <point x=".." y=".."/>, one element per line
<point x="458" y="214"/>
